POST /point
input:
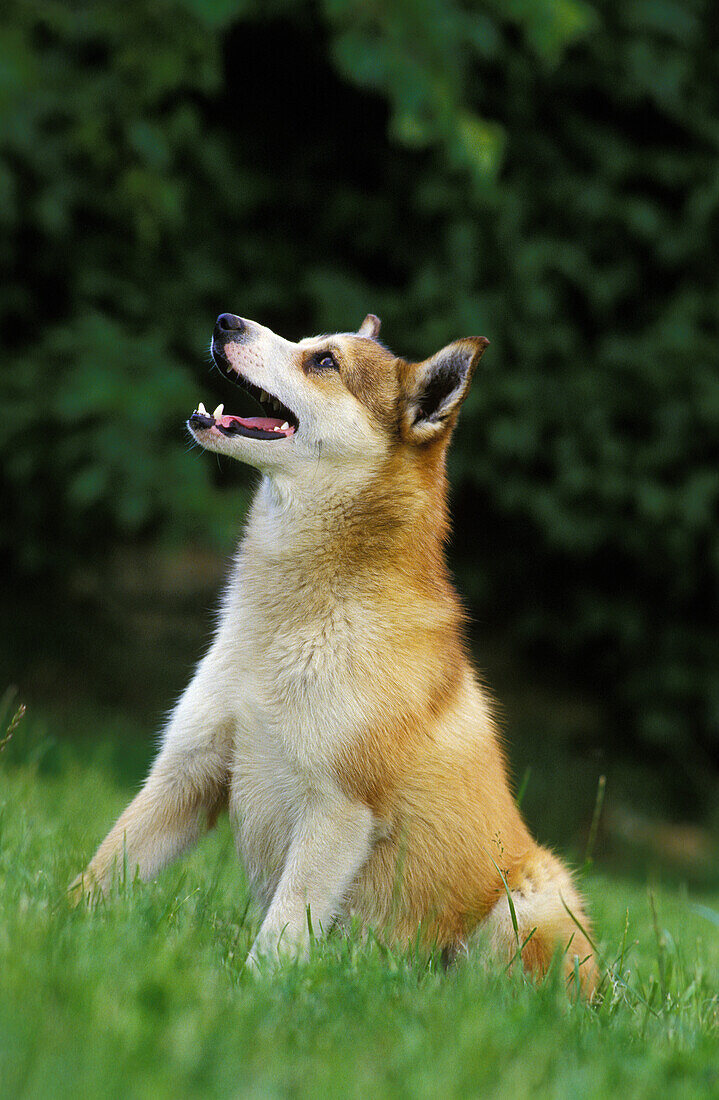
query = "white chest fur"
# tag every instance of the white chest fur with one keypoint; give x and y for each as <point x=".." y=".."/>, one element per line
<point x="289" y="655"/>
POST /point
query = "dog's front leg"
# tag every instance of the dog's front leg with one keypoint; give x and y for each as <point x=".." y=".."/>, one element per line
<point x="185" y="788"/>
<point x="331" y="843"/>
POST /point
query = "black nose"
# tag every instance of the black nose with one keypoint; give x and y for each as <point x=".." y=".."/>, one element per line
<point x="230" y="322"/>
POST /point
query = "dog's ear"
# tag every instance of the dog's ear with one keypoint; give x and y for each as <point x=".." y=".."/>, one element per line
<point x="370" y="327"/>
<point x="437" y="387"/>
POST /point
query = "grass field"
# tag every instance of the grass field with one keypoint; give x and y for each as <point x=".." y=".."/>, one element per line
<point x="146" y="995"/>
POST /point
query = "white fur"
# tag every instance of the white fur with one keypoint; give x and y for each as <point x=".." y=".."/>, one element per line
<point x="270" y="701"/>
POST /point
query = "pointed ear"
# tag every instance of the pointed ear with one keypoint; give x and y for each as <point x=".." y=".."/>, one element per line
<point x="370" y="327"/>
<point x="437" y="388"/>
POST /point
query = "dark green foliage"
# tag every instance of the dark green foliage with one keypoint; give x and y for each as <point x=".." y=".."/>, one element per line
<point x="541" y="173"/>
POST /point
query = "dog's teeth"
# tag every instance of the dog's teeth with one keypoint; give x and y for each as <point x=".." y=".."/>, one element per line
<point x="275" y="404"/>
<point x="218" y="412"/>
<point x="201" y="409"/>
<point x="284" y="427"/>
<point x="264" y="396"/>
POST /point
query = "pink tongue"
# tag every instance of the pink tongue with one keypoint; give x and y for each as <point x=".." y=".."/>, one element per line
<point x="263" y="423"/>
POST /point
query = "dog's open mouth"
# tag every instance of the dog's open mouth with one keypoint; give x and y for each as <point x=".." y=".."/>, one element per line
<point x="281" y="425"/>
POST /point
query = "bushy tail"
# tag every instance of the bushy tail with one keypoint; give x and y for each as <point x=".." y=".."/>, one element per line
<point x="550" y="918"/>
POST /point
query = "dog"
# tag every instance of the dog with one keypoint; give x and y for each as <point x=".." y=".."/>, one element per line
<point x="337" y="713"/>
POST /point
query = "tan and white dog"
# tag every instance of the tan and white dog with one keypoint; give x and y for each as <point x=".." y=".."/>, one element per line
<point x="337" y="713"/>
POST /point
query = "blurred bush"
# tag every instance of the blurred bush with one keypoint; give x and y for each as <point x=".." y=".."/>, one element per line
<point x="543" y="173"/>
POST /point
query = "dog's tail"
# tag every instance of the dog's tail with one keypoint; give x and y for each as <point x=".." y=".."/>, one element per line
<point x="546" y="917"/>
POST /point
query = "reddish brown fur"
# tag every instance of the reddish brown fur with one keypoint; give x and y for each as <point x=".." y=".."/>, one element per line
<point x="450" y="819"/>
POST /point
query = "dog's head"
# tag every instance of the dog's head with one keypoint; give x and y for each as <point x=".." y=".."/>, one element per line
<point x="341" y="398"/>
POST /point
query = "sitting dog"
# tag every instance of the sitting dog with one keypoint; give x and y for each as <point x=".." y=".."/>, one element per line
<point x="337" y="713"/>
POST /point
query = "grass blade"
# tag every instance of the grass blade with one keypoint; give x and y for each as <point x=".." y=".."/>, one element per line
<point x="512" y="911"/>
<point x="523" y="785"/>
<point x="594" y="827"/>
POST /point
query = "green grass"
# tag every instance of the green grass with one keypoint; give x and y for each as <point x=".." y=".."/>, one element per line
<point x="146" y="995"/>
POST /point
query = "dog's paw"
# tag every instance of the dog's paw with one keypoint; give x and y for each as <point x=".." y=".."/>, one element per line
<point x="83" y="888"/>
<point x="255" y="964"/>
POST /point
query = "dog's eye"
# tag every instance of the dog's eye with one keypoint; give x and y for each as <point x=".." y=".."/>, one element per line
<point x="326" y="361"/>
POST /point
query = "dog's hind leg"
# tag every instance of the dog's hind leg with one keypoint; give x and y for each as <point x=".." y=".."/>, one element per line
<point x="186" y="786"/>
<point x="550" y="918"/>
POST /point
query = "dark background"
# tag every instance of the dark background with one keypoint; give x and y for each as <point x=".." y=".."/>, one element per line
<point x="542" y="173"/>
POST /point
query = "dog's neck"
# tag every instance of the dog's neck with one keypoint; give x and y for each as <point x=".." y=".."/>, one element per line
<point x="346" y="527"/>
